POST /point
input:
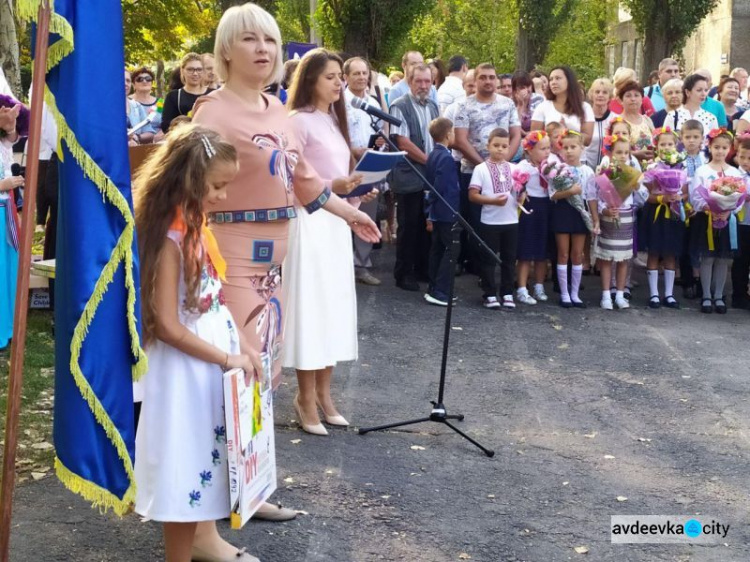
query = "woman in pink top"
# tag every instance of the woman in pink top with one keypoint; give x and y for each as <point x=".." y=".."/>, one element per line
<point x="252" y="225"/>
<point x="321" y="326"/>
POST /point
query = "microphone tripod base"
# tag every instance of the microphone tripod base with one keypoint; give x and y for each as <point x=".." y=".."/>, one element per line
<point x="438" y="415"/>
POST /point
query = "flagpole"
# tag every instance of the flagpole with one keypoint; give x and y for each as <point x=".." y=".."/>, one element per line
<point x="22" y="289"/>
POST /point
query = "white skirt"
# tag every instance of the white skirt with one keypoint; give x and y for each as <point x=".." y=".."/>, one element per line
<point x="320" y="324"/>
<point x="180" y="449"/>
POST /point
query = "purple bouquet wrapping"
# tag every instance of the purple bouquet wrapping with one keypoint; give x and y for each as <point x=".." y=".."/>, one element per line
<point x="666" y="180"/>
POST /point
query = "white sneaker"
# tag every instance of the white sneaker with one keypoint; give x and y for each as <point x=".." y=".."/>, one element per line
<point x="491" y="302"/>
<point x="622" y="303"/>
<point x="508" y="301"/>
<point x="523" y="296"/>
<point x="540" y="295"/>
<point x="606" y="303"/>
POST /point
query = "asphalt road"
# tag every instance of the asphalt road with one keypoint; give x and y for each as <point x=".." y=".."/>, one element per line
<point x="582" y="407"/>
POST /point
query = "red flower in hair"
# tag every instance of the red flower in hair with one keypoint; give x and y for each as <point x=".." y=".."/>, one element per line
<point x="715" y="133"/>
<point x="532" y="139"/>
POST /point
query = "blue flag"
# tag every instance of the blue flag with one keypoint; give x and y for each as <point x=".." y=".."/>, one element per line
<point x="97" y="348"/>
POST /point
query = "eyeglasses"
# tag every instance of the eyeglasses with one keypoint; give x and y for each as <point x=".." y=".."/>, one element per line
<point x="194" y="70"/>
<point x="144" y="79"/>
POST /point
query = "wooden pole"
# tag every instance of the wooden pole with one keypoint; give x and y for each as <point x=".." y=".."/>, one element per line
<point x="22" y="288"/>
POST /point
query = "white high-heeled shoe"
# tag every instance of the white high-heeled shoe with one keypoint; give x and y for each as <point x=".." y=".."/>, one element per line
<point x="313" y="429"/>
<point x="337" y="420"/>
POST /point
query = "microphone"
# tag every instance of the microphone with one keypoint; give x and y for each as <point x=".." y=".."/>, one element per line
<point x="376" y="112"/>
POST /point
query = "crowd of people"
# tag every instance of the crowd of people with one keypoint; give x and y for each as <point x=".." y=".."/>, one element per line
<point x="250" y="178"/>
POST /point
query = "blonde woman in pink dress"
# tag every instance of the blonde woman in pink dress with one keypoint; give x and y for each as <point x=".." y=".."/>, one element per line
<point x="252" y="224"/>
<point x="321" y="326"/>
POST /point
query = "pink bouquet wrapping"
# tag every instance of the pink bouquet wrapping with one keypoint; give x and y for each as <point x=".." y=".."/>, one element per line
<point x="562" y="177"/>
<point x="520" y="179"/>
<point x="724" y="195"/>
<point x="666" y="180"/>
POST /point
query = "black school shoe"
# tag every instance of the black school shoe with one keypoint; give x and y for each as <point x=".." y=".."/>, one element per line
<point x="707" y="306"/>
<point x="720" y="307"/>
<point x="671" y="302"/>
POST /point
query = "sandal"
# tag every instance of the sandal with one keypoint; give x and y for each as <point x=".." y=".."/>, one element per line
<point x="654" y="302"/>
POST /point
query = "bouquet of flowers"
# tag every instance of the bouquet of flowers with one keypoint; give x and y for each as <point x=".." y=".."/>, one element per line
<point x="666" y="180"/>
<point x="616" y="182"/>
<point x="726" y="194"/>
<point x="670" y="157"/>
<point x="520" y="179"/>
<point x="643" y="142"/>
<point x="561" y="177"/>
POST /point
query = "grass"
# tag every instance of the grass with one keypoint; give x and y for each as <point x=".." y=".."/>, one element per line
<point x="35" y="453"/>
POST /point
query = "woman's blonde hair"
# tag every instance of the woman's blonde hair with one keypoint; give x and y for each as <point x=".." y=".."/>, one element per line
<point x="622" y="75"/>
<point x="601" y="82"/>
<point x="672" y="83"/>
<point x="237" y="20"/>
<point x="174" y="178"/>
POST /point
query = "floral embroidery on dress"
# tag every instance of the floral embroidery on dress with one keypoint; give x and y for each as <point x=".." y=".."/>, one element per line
<point x="268" y="316"/>
<point x="283" y="160"/>
<point x="206" y="478"/>
<point x="195" y="498"/>
<point x="215" y="457"/>
<point x="220" y="434"/>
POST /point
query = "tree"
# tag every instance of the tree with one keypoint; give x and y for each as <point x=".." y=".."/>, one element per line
<point x="373" y="29"/>
<point x="538" y="23"/>
<point x="579" y="42"/>
<point x="9" y="54"/>
<point x="461" y="27"/>
<point x="665" y="25"/>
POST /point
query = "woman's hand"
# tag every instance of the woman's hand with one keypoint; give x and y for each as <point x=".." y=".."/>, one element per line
<point x="8" y="116"/>
<point x="343" y="186"/>
<point x="364" y="227"/>
<point x="611" y="213"/>
<point x="597" y="229"/>
<point x="644" y="154"/>
<point x="11" y="183"/>
<point x="370" y="196"/>
<point x="575" y="190"/>
<point x="248" y="362"/>
<point x="723" y="216"/>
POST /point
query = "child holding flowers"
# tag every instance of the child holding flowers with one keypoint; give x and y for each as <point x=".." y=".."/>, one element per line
<point x="691" y="136"/>
<point x="662" y="229"/>
<point x="613" y="199"/>
<point x="533" y="227"/>
<point x="571" y="221"/>
<point x="716" y="191"/>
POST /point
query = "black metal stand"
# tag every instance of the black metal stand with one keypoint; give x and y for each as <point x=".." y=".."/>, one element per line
<point x="439" y="413"/>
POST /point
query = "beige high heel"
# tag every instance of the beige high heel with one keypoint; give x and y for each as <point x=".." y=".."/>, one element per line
<point x="337" y="420"/>
<point x="314" y="429"/>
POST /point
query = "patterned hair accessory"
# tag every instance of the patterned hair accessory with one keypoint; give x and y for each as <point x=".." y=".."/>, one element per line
<point x="532" y="139"/>
<point x="714" y="133"/>
<point x="662" y="131"/>
<point x="209" y="148"/>
<point x="610" y="141"/>
<point x="616" y="120"/>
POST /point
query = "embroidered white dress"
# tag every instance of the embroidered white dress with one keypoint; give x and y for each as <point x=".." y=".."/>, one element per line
<point x="180" y="449"/>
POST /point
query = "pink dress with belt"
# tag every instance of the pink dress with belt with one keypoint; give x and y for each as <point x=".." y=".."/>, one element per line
<point x="252" y="224"/>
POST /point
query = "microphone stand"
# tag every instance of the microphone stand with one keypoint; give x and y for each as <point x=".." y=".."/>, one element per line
<point x="439" y="414"/>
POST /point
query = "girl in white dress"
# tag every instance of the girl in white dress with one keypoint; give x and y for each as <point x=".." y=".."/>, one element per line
<point x="191" y="338"/>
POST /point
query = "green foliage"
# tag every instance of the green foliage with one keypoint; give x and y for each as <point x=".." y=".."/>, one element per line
<point x="377" y="30"/>
<point x="293" y="17"/>
<point x="674" y="20"/>
<point x="163" y="29"/>
<point x="538" y="23"/>
<point x="580" y="41"/>
<point x="463" y="27"/>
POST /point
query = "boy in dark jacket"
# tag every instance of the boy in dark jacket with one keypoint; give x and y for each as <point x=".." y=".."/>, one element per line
<point x="441" y="172"/>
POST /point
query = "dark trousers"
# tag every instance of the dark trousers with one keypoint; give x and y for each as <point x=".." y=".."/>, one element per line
<point x="741" y="265"/>
<point x="412" y="241"/>
<point x="503" y="239"/>
<point x="471" y="252"/>
<point x="440" y="265"/>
